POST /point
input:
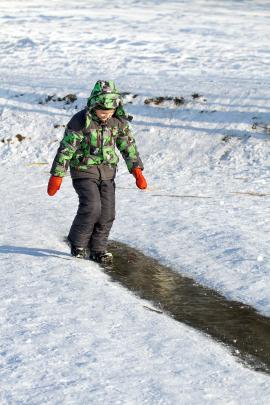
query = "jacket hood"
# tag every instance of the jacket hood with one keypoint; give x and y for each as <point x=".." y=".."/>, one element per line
<point x="105" y="95"/>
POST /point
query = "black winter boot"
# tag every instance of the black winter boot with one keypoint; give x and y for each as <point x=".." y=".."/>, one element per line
<point x="79" y="252"/>
<point x="101" y="257"/>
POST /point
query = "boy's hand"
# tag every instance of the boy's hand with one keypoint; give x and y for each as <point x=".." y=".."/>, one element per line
<point x="140" y="180"/>
<point x="54" y="185"/>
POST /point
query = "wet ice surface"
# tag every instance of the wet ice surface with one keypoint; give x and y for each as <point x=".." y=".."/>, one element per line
<point x="242" y="328"/>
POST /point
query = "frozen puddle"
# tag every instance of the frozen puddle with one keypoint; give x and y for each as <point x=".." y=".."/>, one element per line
<point x="239" y="326"/>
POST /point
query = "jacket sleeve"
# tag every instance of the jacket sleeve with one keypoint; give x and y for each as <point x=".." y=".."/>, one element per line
<point x="126" y="144"/>
<point x="68" y="146"/>
<point x="70" y="143"/>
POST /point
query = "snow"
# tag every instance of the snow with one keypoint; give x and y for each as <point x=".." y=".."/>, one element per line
<point x="69" y="334"/>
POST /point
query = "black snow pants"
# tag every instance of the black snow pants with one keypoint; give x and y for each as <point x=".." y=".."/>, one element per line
<point x="95" y="215"/>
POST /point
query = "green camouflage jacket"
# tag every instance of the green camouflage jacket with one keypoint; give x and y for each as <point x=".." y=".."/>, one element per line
<point x="89" y="142"/>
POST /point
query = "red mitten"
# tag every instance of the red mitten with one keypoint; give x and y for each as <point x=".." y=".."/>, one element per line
<point x="54" y="185"/>
<point x="140" y="180"/>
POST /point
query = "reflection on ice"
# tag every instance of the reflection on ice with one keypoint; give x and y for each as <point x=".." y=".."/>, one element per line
<point x="240" y="327"/>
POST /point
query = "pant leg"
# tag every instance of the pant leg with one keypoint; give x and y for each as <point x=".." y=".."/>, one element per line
<point x="99" y="239"/>
<point x="88" y="213"/>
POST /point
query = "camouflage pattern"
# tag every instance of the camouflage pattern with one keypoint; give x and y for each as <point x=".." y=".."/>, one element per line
<point x="87" y="141"/>
<point x="106" y="95"/>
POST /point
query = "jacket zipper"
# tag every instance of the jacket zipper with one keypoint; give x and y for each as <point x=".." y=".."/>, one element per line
<point x="101" y="140"/>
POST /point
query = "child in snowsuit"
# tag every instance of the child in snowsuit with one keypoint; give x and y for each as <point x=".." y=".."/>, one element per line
<point x="88" y="148"/>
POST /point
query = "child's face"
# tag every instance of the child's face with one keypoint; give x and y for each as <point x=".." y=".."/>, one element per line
<point x="104" y="115"/>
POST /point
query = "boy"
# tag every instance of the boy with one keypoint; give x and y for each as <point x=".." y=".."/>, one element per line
<point x="88" y="148"/>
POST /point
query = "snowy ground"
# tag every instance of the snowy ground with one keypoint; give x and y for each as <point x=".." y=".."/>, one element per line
<point x="69" y="335"/>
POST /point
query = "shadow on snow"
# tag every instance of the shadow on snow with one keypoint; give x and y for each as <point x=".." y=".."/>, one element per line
<point x="38" y="252"/>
